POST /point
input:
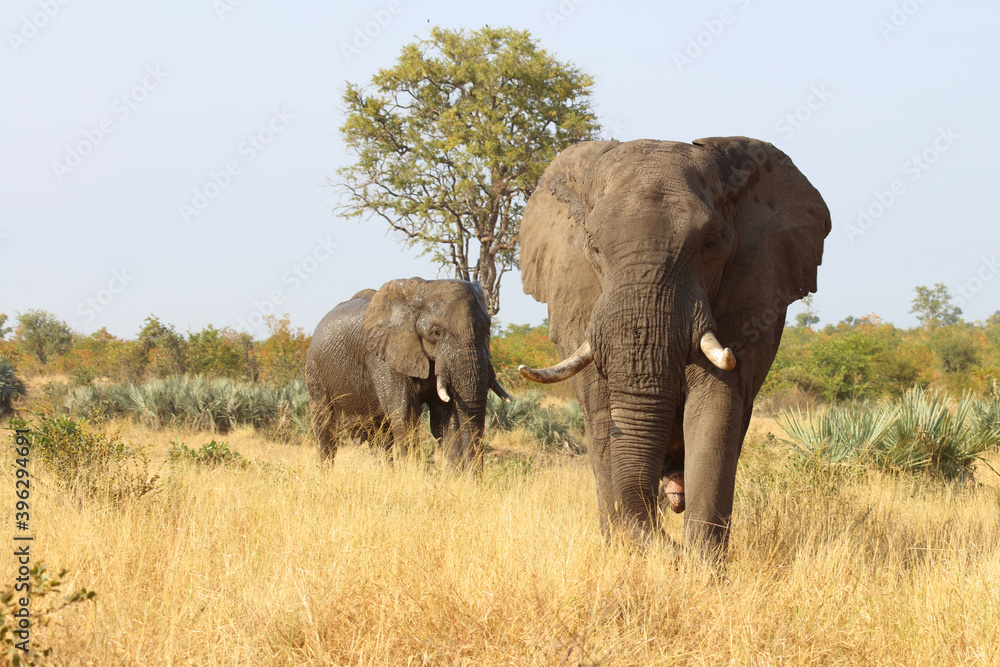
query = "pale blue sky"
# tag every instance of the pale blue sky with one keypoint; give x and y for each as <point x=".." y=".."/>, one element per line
<point x="887" y="81"/>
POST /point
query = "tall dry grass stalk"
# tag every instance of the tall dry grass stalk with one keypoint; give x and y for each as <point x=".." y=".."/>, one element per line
<point x="366" y="563"/>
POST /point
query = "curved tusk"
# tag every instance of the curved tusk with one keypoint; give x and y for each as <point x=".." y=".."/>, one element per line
<point x="564" y="370"/>
<point x="499" y="391"/>
<point x="442" y="390"/>
<point x="722" y="357"/>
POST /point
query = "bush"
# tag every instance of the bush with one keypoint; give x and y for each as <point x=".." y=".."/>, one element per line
<point x="282" y="356"/>
<point x="505" y="416"/>
<point x="213" y="454"/>
<point x="217" y="352"/>
<point x="41" y="585"/>
<point x="553" y="427"/>
<point x="845" y="366"/>
<point x="919" y="432"/>
<point x="11" y="387"/>
<point x="84" y="458"/>
<point x="99" y="355"/>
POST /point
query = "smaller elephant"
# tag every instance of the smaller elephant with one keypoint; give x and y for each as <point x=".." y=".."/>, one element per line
<point x="376" y="359"/>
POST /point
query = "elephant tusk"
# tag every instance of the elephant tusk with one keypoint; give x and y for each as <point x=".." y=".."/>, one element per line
<point x="442" y="390"/>
<point x="721" y="357"/>
<point x="499" y="391"/>
<point x="564" y="370"/>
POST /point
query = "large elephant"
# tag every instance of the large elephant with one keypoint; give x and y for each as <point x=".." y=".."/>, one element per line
<point x="649" y="253"/>
<point x="375" y="360"/>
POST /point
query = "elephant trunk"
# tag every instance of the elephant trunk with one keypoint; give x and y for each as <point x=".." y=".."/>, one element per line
<point x="467" y="380"/>
<point x="645" y="373"/>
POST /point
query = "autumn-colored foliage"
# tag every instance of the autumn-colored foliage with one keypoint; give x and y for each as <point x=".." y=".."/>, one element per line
<point x="858" y="358"/>
<point x="523" y="344"/>
<point x="282" y="356"/>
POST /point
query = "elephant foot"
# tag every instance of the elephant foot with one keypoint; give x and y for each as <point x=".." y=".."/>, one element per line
<point x="672" y="488"/>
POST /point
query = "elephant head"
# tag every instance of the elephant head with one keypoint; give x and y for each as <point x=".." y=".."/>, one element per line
<point x="439" y="331"/>
<point x="668" y="267"/>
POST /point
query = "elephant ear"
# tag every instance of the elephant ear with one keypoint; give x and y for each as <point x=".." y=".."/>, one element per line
<point x="554" y="265"/>
<point x="389" y="327"/>
<point x="477" y="290"/>
<point x="781" y="221"/>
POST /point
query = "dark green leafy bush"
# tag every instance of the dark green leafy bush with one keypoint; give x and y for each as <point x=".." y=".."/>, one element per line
<point x="212" y="454"/>
<point x="83" y="457"/>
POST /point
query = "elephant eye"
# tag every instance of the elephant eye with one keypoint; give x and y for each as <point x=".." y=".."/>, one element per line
<point x="435" y="332"/>
<point x="711" y="241"/>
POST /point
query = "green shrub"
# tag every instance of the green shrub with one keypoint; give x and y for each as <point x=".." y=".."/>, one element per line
<point x="956" y="350"/>
<point x="11" y="387"/>
<point x="212" y="454"/>
<point x="85" y="458"/>
<point x="41" y="585"/>
<point x="217" y="352"/>
<point x="845" y="367"/>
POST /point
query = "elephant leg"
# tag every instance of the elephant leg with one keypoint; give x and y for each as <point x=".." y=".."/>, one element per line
<point x="438" y="415"/>
<point x="327" y="433"/>
<point x="402" y="416"/>
<point x="323" y="414"/>
<point x="378" y="434"/>
<point x="444" y="428"/>
<point x="713" y="436"/>
<point x="403" y="425"/>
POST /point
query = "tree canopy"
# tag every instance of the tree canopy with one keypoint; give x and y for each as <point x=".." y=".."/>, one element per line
<point x="808" y="316"/>
<point x="933" y="306"/>
<point x="43" y="334"/>
<point x="452" y="139"/>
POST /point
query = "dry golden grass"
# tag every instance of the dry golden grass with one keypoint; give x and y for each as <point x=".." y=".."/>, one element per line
<point x="366" y="563"/>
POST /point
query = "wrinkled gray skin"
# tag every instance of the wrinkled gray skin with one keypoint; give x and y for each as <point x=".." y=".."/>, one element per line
<point x="640" y="248"/>
<point x="373" y="363"/>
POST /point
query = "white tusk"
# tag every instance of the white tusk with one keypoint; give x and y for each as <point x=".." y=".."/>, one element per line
<point x="499" y="391"/>
<point x="722" y="357"/>
<point x="442" y="390"/>
<point x="564" y="370"/>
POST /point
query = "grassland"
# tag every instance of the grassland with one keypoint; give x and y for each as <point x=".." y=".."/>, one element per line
<point x="367" y="563"/>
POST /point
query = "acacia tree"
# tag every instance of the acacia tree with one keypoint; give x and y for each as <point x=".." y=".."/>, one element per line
<point x="808" y="316"/>
<point x="43" y="334"/>
<point x="933" y="306"/>
<point x="170" y="347"/>
<point x="452" y="139"/>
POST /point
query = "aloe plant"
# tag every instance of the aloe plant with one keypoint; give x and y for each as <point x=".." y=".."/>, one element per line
<point x="922" y="431"/>
<point x="553" y="427"/>
<point x="842" y="434"/>
<point x="217" y="404"/>
<point x="11" y="387"/>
